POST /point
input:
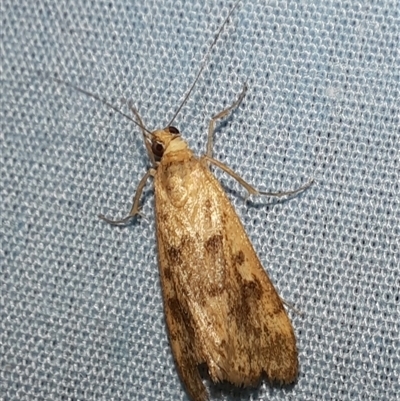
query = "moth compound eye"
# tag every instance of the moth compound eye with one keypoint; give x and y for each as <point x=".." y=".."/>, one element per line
<point x="173" y="130"/>
<point x="158" y="149"/>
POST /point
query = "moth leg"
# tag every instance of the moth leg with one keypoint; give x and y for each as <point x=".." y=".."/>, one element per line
<point x="145" y="136"/>
<point x="220" y="115"/>
<point x="136" y="199"/>
<point x="250" y="189"/>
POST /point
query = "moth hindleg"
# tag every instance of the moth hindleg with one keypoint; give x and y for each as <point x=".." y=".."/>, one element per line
<point x="250" y="189"/>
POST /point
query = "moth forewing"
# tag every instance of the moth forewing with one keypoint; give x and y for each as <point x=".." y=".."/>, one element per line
<point x="220" y="306"/>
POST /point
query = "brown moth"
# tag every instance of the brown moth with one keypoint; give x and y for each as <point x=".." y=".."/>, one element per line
<point x="220" y="306"/>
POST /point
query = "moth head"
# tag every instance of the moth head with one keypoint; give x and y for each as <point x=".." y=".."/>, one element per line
<point x="166" y="140"/>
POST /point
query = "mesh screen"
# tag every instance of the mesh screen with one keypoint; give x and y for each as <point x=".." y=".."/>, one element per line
<point x="81" y="308"/>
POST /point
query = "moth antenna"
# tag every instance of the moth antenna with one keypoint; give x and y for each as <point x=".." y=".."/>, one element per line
<point x="203" y="64"/>
<point x="98" y="98"/>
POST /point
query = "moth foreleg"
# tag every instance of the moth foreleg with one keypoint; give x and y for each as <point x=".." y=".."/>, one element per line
<point x="250" y="189"/>
<point x="135" y="204"/>
<point x="220" y="115"/>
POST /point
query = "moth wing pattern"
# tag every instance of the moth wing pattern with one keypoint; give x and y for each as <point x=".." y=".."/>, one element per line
<point x="220" y="306"/>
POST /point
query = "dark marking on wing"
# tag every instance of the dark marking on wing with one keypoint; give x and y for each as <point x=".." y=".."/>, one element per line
<point x="181" y="315"/>
<point x="208" y="213"/>
<point x="238" y="259"/>
<point x="266" y="330"/>
<point x="214" y="257"/>
<point x="214" y="244"/>
<point x="252" y="290"/>
<point x="248" y="296"/>
<point x="174" y="255"/>
<point x="161" y="215"/>
<point x="183" y="342"/>
<point x="224" y="218"/>
<point x="168" y="273"/>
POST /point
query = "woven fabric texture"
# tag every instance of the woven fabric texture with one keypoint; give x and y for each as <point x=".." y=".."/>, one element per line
<point x="80" y="300"/>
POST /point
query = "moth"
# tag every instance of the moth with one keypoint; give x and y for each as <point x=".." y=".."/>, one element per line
<point x="221" y="308"/>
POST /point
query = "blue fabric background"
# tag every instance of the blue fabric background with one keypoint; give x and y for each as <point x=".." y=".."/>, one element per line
<point x="80" y="301"/>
